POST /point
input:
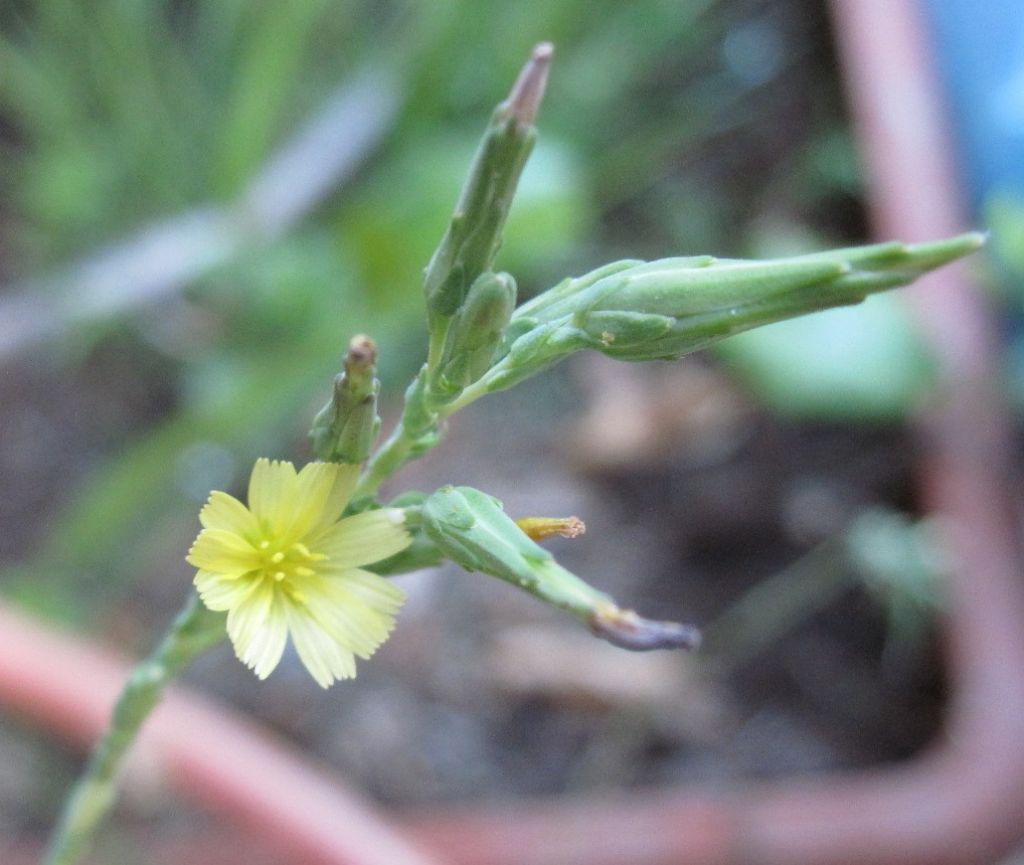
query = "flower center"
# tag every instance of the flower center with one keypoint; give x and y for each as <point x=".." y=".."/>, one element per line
<point x="288" y="565"/>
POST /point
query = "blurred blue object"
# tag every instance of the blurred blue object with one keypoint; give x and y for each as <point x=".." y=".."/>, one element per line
<point x="980" y="52"/>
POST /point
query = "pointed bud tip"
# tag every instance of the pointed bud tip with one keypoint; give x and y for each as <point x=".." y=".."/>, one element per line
<point x="528" y="91"/>
<point x="951" y="247"/>
<point x="543" y="52"/>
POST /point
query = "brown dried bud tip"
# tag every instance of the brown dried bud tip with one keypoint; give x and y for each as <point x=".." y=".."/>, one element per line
<point x="539" y="528"/>
<point x="625" y="629"/>
<point x="362" y="352"/>
<point x="528" y="91"/>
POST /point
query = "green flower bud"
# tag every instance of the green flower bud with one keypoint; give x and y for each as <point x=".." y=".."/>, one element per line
<point x="671" y="307"/>
<point x="345" y="429"/>
<point x="476" y="332"/>
<point x="661" y="310"/>
<point x="472" y="529"/>
<point x="473" y="237"/>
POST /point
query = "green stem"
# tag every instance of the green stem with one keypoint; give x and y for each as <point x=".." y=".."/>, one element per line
<point x="470" y="394"/>
<point x="388" y="459"/>
<point x="398" y="448"/>
<point x="194" y="631"/>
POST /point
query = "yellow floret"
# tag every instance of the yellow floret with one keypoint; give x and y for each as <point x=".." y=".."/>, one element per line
<point x="288" y="565"/>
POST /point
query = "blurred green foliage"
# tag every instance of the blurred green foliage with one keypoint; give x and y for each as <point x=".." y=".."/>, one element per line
<point x="896" y="559"/>
<point x="669" y="128"/>
<point x="865" y="363"/>
<point x="124" y="110"/>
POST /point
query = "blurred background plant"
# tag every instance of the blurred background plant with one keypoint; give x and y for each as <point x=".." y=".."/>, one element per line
<point x="712" y="126"/>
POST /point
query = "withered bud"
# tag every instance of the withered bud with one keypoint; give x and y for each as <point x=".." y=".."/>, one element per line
<point x="627" y="630"/>
<point x="362" y="353"/>
<point x="539" y="528"/>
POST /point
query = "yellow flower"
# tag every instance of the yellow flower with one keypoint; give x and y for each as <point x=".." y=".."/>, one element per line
<point x="287" y="565"/>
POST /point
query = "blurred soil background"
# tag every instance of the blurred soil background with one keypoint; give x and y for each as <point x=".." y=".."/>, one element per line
<point x="765" y="491"/>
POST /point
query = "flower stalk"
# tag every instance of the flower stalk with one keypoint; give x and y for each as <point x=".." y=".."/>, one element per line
<point x="195" y="630"/>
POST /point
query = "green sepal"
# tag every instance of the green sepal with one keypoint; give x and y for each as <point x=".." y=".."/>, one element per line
<point x="537" y="349"/>
<point x="610" y="328"/>
<point x="538" y="307"/>
<point x="422" y="552"/>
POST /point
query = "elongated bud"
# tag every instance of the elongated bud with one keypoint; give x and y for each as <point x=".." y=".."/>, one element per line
<point x="471" y="529"/>
<point x="345" y="429"/>
<point x="662" y="310"/>
<point x="670" y="308"/>
<point x="473" y="237"/>
<point x="477" y="332"/>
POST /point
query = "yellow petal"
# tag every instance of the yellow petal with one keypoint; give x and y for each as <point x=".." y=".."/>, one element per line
<point x="322" y="656"/>
<point x="220" y="592"/>
<point x="315" y="498"/>
<point x="353" y="620"/>
<point x="345" y="479"/>
<point x="379" y="593"/>
<point x="245" y="619"/>
<point x="224" y="552"/>
<point x="226" y="512"/>
<point x="272" y="488"/>
<point x="267" y="641"/>
<point x="363" y="539"/>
